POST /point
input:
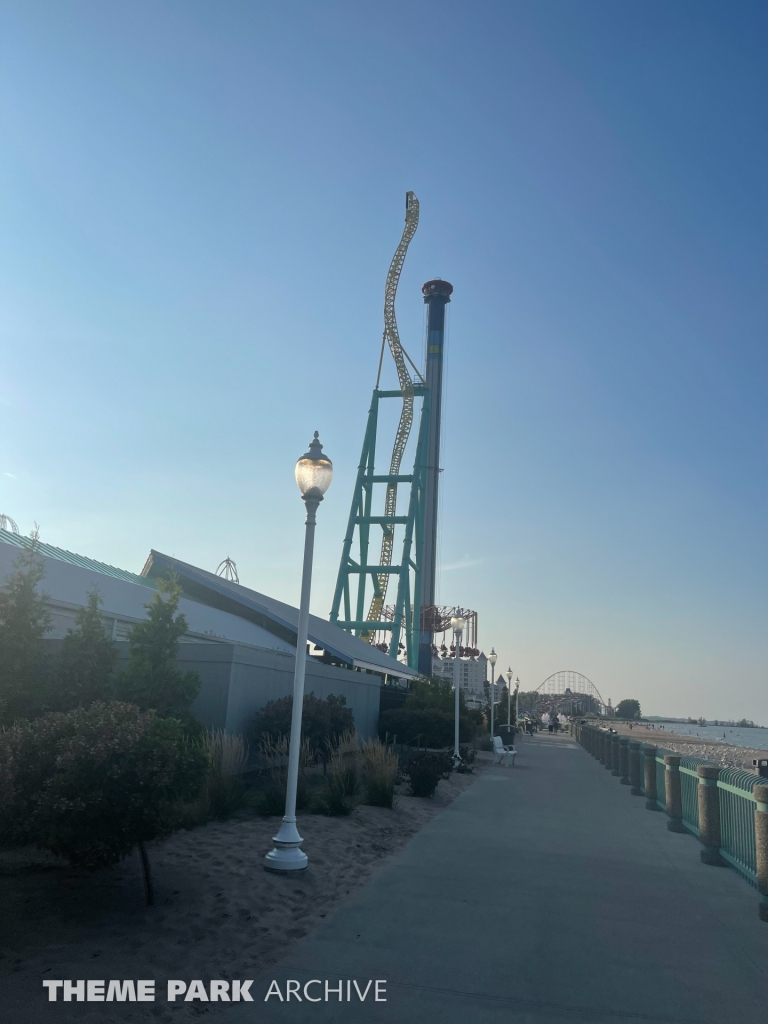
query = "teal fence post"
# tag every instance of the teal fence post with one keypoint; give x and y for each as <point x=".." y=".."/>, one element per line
<point x="673" y="793"/>
<point x="649" y="771"/>
<point x="760" y="794"/>
<point x="709" y="815"/>
<point x="615" y="765"/>
<point x="608" y="742"/>
<point x="624" y="760"/>
<point x="635" y="776"/>
<point x="601" y="752"/>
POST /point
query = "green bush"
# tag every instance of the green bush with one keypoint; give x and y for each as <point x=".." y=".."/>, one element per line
<point x="333" y="799"/>
<point x="270" y="799"/>
<point x="379" y="774"/>
<point x="434" y="694"/>
<point x="223" y="790"/>
<point x="437" y="694"/>
<point x="427" y="728"/>
<point x="91" y="785"/>
<point x="425" y="770"/>
<point x="323" y="722"/>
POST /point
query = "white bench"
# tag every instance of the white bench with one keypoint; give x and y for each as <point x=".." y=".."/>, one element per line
<point x="502" y="751"/>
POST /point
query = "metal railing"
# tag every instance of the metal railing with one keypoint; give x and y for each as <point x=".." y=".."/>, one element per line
<point x="735" y="803"/>
<point x="737" y="821"/>
<point x="689" y="791"/>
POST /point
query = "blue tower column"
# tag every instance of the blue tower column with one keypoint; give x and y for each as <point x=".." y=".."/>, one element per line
<point x="437" y="294"/>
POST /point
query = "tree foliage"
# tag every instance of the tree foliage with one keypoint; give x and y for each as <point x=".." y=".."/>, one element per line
<point x="322" y="721"/>
<point x="628" y="708"/>
<point x="24" y="621"/>
<point x="428" y="717"/>
<point x="434" y="694"/>
<point x="425" y="728"/>
<point x="502" y="707"/>
<point x="93" y="783"/>
<point x="86" y="661"/>
<point x="152" y="679"/>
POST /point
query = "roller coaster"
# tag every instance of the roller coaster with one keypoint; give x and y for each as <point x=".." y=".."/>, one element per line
<point x="401" y="622"/>
<point x="570" y="692"/>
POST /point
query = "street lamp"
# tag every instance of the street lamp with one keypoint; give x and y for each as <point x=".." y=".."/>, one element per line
<point x="517" y="700"/>
<point x="457" y="625"/>
<point x="492" y="659"/>
<point x="313" y="472"/>
<point x="510" y="674"/>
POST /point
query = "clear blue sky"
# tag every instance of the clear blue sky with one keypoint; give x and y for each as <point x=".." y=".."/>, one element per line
<point x="199" y="204"/>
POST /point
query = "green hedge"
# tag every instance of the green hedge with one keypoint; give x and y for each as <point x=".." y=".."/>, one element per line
<point x="426" y="727"/>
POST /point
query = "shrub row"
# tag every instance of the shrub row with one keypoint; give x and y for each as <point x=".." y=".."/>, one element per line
<point x="426" y="727"/>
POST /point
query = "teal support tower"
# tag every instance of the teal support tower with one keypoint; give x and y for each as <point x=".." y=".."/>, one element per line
<point x="350" y="599"/>
<point x="408" y="539"/>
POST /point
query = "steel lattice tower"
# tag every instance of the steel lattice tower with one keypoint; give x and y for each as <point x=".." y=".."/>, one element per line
<point x="408" y="627"/>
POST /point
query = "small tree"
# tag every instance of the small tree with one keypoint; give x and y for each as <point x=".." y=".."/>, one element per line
<point x="152" y="679"/>
<point x="504" y="704"/>
<point x="92" y="784"/>
<point x="628" y="708"/>
<point x="87" y="659"/>
<point x="24" y="621"/>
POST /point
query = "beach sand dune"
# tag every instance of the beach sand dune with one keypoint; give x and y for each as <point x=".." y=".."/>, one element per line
<point x="218" y="913"/>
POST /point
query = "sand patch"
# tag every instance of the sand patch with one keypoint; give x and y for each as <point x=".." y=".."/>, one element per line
<point x="218" y="913"/>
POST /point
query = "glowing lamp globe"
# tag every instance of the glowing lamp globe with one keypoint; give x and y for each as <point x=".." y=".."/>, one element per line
<point x="492" y="657"/>
<point x="457" y="623"/>
<point x="314" y="471"/>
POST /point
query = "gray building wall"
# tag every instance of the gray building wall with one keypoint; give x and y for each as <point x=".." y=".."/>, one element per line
<point x="238" y="681"/>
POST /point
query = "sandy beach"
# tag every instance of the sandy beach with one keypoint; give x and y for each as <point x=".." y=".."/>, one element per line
<point x="218" y="913"/>
<point x="723" y="754"/>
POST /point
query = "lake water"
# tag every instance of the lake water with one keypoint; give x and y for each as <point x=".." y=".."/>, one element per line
<point x="755" y="738"/>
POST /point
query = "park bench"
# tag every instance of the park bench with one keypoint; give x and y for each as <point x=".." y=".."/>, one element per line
<point x="499" y="749"/>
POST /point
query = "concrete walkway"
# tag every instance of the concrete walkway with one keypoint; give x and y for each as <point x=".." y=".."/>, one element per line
<point x="544" y="894"/>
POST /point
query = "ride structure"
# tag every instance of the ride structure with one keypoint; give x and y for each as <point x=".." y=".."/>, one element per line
<point x="228" y="570"/>
<point x="415" y="531"/>
<point x="6" y="523"/>
<point x="571" y="692"/>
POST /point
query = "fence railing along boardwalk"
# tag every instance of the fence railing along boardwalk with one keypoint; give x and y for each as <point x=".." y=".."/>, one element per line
<point x="725" y="808"/>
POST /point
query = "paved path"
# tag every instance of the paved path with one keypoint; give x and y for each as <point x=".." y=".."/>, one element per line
<point x="545" y="894"/>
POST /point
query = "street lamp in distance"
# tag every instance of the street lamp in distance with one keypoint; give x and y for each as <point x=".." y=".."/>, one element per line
<point x="492" y="660"/>
<point x="457" y="625"/>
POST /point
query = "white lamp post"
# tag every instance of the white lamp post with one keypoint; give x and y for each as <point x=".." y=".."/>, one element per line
<point x="510" y="674"/>
<point x="492" y="659"/>
<point x="457" y="625"/>
<point x="314" y="472"/>
<point x="517" y="700"/>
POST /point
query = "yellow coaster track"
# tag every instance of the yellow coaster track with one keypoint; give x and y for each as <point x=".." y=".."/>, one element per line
<point x="392" y="338"/>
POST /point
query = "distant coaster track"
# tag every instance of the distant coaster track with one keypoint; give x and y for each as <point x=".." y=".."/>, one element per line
<point x="568" y="681"/>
